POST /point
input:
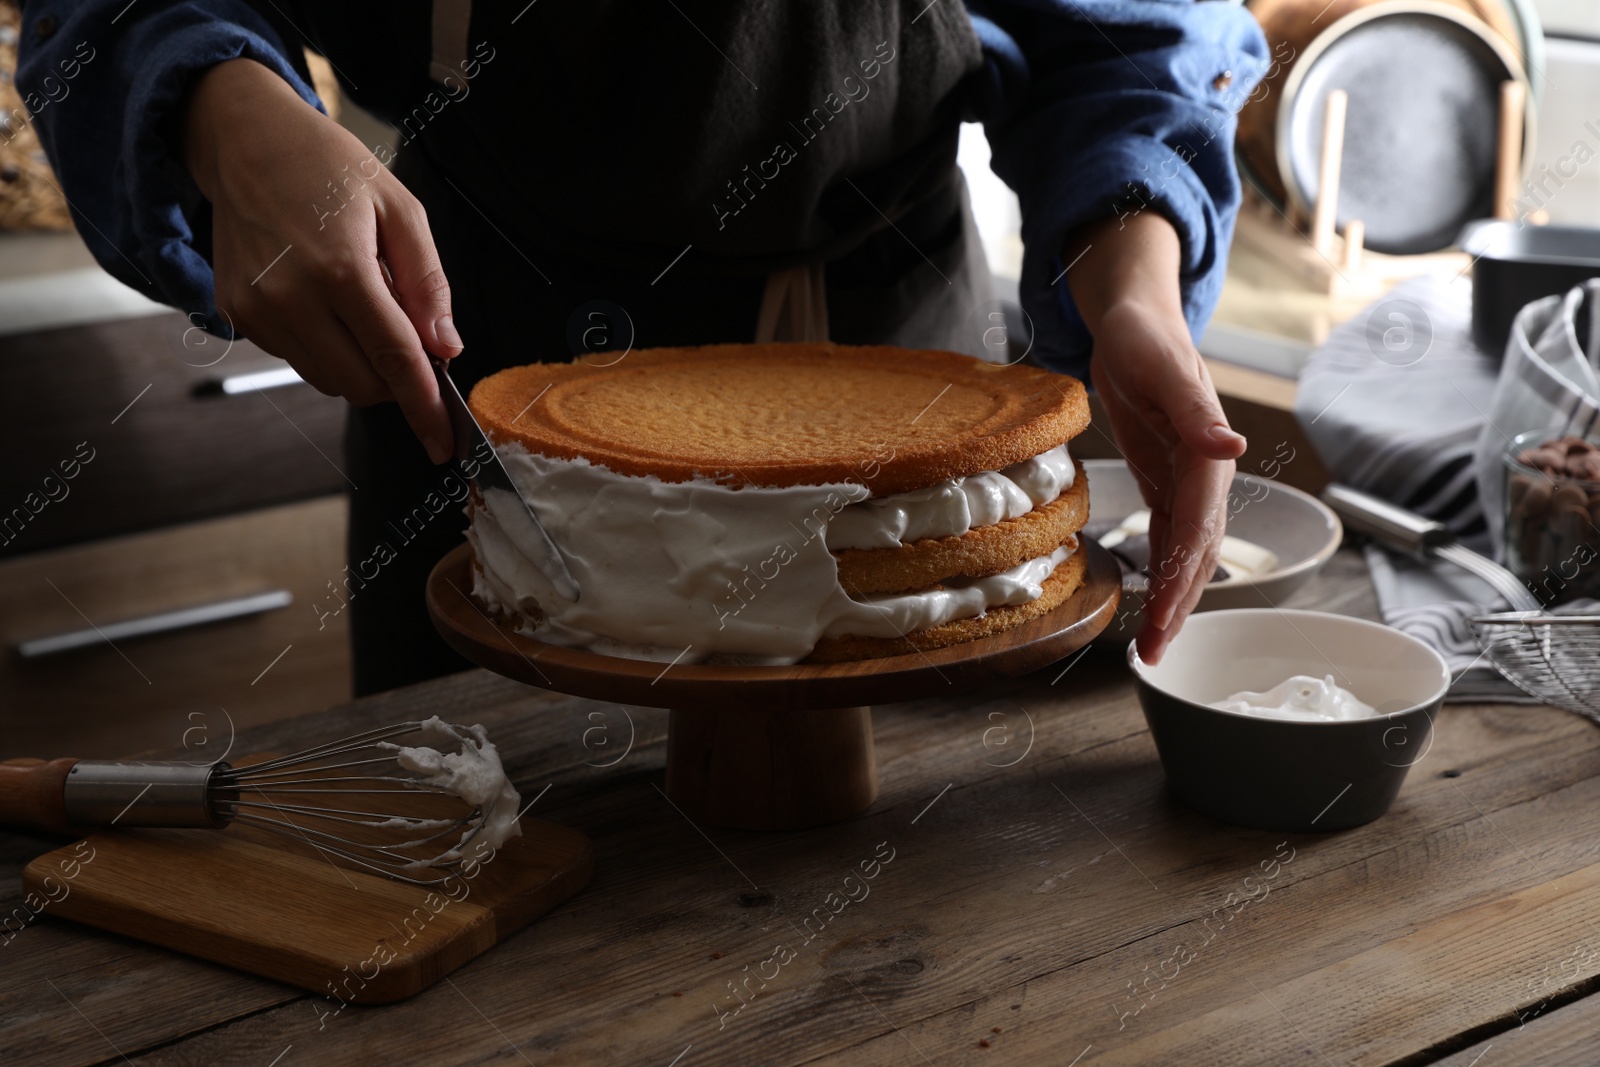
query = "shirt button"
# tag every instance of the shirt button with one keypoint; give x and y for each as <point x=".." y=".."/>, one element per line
<point x="45" y="28"/>
<point x="1222" y="81"/>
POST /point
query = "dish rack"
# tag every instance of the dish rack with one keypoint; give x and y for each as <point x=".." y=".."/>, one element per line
<point x="1316" y="253"/>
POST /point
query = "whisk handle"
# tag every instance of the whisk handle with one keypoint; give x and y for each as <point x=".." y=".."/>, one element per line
<point x="32" y="794"/>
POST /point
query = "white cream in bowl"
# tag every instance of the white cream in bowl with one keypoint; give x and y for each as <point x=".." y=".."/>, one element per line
<point x="1299" y="699"/>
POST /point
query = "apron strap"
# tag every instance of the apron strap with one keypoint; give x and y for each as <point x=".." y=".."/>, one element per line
<point x="794" y="306"/>
<point x="452" y="20"/>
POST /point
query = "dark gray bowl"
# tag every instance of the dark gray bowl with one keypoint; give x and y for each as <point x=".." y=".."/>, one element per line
<point x="1277" y="775"/>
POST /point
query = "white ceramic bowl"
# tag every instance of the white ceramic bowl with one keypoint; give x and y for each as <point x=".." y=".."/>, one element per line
<point x="1299" y="529"/>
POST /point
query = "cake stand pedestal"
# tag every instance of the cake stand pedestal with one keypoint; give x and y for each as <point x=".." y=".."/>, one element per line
<point x="771" y="748"/>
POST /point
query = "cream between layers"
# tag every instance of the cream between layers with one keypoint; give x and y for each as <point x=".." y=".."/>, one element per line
<point x="955" y="506"/>
<point x="685" y="570"/>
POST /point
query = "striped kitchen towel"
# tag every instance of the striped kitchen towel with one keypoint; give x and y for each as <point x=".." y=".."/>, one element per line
<point x="1432" y="602"/>
<point x="1395" y="399"/>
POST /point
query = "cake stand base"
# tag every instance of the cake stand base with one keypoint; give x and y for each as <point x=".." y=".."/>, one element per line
<point x="771" y="770"/>
<point x="771" y="748"/>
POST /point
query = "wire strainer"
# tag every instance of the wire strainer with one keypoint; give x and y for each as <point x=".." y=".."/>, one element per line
<point x="1554" y="658"/>
<point x="1550" y="656"/>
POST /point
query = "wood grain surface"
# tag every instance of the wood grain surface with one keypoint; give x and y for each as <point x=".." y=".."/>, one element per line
<point x="1024" y="890"/>
<point x="188" y="687"/>
<point x="1557" y="1037"/>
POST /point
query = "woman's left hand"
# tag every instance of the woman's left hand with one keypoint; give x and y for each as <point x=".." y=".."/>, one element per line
<point x="1163" y="409"/>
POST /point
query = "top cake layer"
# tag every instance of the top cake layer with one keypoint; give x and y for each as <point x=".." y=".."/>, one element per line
<point x="778" y="415"/>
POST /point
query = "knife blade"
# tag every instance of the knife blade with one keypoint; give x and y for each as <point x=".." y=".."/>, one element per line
<point x="492" y="474"/>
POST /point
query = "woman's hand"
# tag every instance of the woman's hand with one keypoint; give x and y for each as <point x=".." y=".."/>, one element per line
<point x="305" y="220"/>
<point x="1163" y="409"/>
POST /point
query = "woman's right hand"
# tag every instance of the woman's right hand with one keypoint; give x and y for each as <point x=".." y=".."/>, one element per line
<point x="305" y="221"/>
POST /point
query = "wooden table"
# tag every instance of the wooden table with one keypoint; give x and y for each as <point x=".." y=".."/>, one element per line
<point x="1000" y="903"/>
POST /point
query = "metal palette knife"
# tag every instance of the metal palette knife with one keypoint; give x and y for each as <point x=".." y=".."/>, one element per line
<point x="492" y="474"/>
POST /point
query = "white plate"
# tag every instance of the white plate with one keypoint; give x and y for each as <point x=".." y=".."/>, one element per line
<point x="1296" y="527"/>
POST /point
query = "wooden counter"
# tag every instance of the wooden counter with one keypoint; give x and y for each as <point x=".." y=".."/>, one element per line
<point x="1043" y="903"/>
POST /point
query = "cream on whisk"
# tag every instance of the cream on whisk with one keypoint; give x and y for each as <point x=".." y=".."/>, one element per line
<point x="1299" y="699"/>
<point x="474" y="774"/>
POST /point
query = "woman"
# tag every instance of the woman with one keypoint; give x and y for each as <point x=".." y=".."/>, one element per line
<point x="569" y="177"/>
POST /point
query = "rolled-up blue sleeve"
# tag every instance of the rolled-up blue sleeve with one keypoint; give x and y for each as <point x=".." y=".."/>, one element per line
<point x="104" y="82"/>
<point x="1101" y="109"/>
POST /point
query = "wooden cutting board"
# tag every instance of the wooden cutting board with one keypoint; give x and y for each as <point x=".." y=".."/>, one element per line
<point x="276" y="907"/>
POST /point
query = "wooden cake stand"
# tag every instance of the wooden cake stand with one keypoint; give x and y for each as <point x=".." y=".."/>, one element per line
<point x="770" y="748"/>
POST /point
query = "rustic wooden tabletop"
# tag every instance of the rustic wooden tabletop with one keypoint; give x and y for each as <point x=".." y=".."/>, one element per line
<point x="1024" y="891"/>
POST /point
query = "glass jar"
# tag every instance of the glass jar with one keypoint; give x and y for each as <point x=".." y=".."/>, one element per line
<point x="1552" y="530"/>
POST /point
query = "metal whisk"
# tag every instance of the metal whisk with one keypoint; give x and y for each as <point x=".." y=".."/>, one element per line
<point x="350" y="798"/>
<point x="1552" y="657"/>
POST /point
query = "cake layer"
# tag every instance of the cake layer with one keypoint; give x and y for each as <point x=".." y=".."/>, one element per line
<point x="1062" y="583"/>
<point x="982" y="550"/>
<point x="777" y="415"/>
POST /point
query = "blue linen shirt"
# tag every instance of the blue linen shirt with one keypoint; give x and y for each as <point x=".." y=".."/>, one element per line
<point x="1093" y="108"/>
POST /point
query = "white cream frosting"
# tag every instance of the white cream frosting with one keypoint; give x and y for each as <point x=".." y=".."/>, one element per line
<point x="680" y="571"/>
<point x="1301" y="698"/>
<point x="955" y="506"/>
<point x="463" y="761"/>
<point x="959" y="598"/>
